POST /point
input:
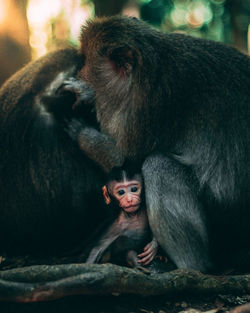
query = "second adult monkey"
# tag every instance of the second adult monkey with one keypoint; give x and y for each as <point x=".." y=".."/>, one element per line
<point x="128" y="240"/>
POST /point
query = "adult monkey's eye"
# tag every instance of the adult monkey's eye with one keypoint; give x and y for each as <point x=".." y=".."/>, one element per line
<point x="121" y="192"/>
<point x="134" y="189"/>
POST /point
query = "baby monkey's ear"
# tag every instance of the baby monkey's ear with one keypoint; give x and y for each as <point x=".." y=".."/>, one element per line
<point x="106" y="195"/>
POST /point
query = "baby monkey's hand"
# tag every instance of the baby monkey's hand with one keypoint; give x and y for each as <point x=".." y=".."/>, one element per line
<point x="149" y="253"/>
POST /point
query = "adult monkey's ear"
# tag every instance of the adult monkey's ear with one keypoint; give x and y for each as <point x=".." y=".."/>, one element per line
<point x="124" y="59"/>
<point x="106" y="195"/>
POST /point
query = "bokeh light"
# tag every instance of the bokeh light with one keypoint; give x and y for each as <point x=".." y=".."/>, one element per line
<point x="3" y="12"/>
<point x="54" y="24"/>
<point x="179" y="16"/>
<point x="199" y="14"/>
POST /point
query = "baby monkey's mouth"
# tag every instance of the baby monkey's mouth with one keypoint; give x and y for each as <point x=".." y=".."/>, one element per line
<point x="132" y="207"/>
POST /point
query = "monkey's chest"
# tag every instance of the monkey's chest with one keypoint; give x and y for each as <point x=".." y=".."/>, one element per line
<point x="129" y="240"/>
<point x="135" y="239"/>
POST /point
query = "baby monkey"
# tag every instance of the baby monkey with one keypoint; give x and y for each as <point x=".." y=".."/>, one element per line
<point x="122" y="242"/>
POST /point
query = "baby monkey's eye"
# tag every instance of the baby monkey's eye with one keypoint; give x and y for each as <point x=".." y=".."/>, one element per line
<point x="121" y="192"/>
<point x="134" y="189"/>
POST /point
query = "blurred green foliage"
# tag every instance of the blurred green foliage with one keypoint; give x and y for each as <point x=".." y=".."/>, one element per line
<point x="212" y="19"/>
<point x="222" y="20"/>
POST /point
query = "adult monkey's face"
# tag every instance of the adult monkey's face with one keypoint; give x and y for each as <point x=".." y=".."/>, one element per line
<point x="117" y="67"/>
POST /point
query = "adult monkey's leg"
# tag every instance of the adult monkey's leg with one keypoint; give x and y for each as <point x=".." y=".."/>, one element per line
<point x="175" y="213"/>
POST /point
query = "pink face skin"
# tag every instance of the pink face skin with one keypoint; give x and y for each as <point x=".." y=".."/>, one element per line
<point x="128" y="195"/>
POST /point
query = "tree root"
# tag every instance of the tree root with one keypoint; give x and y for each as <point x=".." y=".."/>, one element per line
<point x="50" y="282"/>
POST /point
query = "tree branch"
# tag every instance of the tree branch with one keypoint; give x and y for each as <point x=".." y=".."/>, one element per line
<point x="50" y="282"/>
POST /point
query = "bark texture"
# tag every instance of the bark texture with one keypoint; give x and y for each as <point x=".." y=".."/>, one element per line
<point x="50" y="282"/>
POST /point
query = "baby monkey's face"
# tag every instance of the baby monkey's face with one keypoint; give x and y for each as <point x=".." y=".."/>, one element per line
<point x="128" y="194"/>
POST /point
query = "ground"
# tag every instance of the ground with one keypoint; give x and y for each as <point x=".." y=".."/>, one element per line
<point x="129" y="304"/>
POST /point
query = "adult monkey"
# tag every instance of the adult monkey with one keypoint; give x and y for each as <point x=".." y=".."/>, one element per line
<point x="182" y="104"/>
<point x="49" y="191"/>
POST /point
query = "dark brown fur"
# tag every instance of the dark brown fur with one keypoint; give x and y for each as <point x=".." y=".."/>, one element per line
<point x="50" y="193"/>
